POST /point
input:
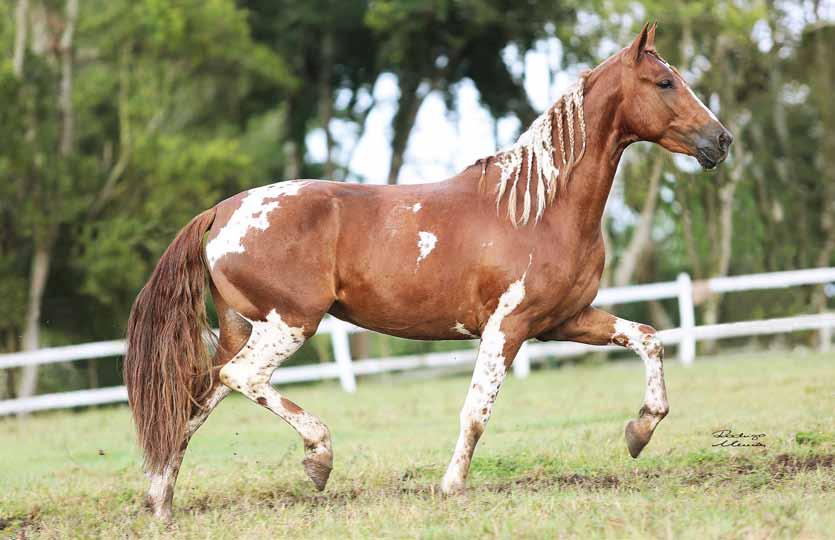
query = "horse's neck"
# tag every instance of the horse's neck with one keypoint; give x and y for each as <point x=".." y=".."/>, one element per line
<point x="583" y="200"/>
<point x="591" y="180"/>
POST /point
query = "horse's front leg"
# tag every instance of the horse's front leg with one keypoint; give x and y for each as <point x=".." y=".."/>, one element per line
<point x="498" y="347"/>
<point x="596" y="327"/>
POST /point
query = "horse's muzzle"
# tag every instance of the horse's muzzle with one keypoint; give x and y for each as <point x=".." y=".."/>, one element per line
<point x="712" y="150"/>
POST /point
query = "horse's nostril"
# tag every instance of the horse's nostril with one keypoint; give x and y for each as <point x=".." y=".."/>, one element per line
<point x="725" y="140"/>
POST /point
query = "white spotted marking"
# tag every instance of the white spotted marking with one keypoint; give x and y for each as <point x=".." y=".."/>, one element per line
<point x="416" y="207"/>
<point x="251" y="214"/>
<point x="489" y="373"/>
<point x="426" y="243"/>
<point x="648" y="347"/>
<point x="461" y="329"/>
<point x="271" y="342"/>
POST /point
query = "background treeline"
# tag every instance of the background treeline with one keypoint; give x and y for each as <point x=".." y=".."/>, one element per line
<point x="121" y="119"/>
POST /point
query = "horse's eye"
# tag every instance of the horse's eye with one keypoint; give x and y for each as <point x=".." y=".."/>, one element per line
<point x="666" y="83"/>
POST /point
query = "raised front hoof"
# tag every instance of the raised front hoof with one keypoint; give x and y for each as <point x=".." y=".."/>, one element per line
<point x="318" y="469"/>
<point x="637" y="437"/>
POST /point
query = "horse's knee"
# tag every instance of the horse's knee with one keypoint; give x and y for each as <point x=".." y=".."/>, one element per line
<point x="652" y="344"/>
<point x="242" y="377"/>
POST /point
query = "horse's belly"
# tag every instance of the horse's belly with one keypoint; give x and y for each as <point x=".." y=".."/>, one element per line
<point x="405" y="327"/>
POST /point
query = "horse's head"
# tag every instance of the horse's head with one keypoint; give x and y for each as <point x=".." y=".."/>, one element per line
<point x="659" y="106"/>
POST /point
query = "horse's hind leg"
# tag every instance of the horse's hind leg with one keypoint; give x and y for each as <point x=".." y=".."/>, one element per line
<point x="234" y="332"/>
<point x="596" y="327"/>
<point x="272" y="341"/>
<point x="161" y="492"/>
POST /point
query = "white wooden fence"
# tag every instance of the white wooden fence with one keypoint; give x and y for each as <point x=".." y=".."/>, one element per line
<point x="346" y="369"/>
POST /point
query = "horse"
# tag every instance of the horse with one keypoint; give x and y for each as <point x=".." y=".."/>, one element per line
<point x="508" y="250"/>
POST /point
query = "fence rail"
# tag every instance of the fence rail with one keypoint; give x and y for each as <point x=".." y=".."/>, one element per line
<point x="346" y="369"/>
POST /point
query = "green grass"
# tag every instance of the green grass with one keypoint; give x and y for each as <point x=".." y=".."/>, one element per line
<point x="552" y="463"/>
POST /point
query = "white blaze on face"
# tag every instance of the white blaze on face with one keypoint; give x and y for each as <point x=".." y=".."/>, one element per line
<point x="252" y="214"/>
<point x="461" y="329"/>
<point x="699" y="101"/>
<point x="416" y="207"/>
<point x="426" y="243"/>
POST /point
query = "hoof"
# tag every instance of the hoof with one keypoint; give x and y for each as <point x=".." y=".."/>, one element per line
<point x="161" y="511"/>
<point x="452" y="488"/>
<point x="637" y="437"/>
<point x="318" y="470"/>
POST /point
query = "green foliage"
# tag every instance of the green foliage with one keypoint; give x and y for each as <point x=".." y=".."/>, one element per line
<point x="177" y="105"/>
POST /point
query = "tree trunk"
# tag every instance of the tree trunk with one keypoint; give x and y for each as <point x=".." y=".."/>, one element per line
<point x="32" y="326"/>
<point x="326" y="101"/>
<point x="292" y="152"/>
<point x="404" y="120"/>
<point x="41" y="259"/>
<point x="642" y="237"/>
<point x="823" y="82"/>
<point x="65" y="92"/>
<point x="727" y="191"/>
<point x="21" y="26"/>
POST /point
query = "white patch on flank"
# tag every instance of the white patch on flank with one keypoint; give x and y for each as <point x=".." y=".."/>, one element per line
<point x="461" y="329"/>
<point x="426" y="243"/>
<point x="252" y="214"/>
<point x="699" y="101"/>
<point x="416" y="207"/>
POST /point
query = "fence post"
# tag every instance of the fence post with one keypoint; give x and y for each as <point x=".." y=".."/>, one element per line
<point x="522" y="363"/>
<point x="342" y="355"/>
<point x="825" y="337"/>
<point x="687" y="345"/>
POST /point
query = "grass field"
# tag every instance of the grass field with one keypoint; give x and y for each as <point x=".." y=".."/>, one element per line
<point x="552" y="464"/>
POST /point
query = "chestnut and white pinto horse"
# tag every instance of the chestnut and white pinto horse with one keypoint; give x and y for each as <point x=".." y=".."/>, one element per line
<point x="506" y="251"/>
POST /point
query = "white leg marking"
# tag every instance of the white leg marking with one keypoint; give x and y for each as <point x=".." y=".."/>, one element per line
<point x="161" y="492"/>
<point x="461" y="329"/>
<point x="488" y="375"/>
<point x="271" y="342"/>
<point x="643" y="340"/>
<point x="252" y="214"/>
<point x="426" y="243"/>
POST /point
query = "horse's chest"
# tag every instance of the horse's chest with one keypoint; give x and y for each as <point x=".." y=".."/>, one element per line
<point x="565" y="286"/>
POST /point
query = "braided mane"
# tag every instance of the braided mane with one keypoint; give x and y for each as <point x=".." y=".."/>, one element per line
<point x="535" y="150"/>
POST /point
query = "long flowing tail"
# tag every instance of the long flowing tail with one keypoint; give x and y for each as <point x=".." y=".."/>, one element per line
<point x="167" y="367"/>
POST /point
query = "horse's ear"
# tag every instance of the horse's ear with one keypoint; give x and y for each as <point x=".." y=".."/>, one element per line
<point x="650" y="45"/>
<point x="633" y="53"/>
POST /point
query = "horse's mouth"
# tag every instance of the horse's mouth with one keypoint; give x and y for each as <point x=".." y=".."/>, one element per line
<point x="709" y="161"/>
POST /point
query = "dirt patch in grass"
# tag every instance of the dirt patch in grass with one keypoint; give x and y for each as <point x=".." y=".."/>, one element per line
<point x="788" y="465"/>
<point x="21" y="522"/>
<point x="780" y="468"/>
